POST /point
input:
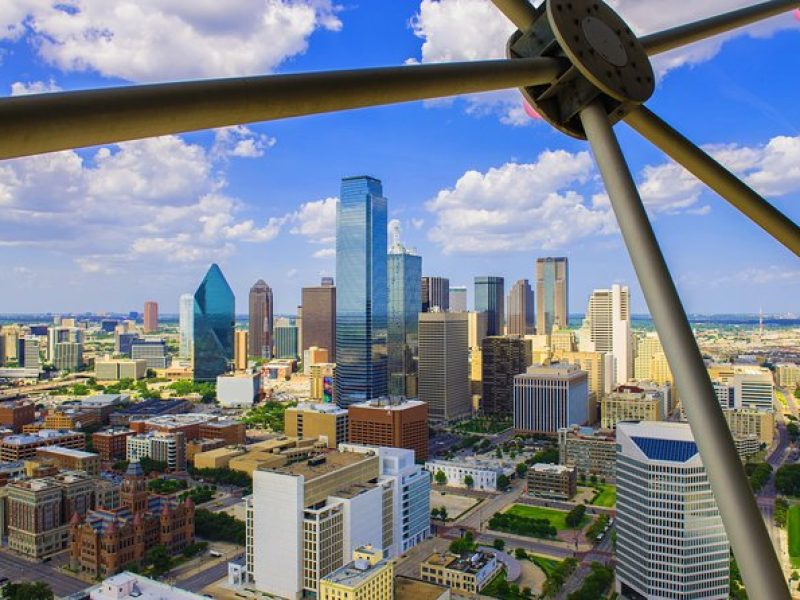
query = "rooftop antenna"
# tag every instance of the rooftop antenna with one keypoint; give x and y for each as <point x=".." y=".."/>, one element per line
<point x="583" y="69"/>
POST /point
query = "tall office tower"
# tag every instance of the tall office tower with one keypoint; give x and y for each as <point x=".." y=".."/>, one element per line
<point x="405" y="275"/>
<point x="185" y="325"/>
<point x="609" y="317"/>
<point x="443" y="366"/>
<point x="552" y="294"/>
<point x="68" y="356"/>
<point x="316" y="511"/>
<point x="458" y="298"/>
<point x="361" y="304"/>
<point x="286" y="340"/>
<point x="57" y="334"/>
<point x="521" y="317"/>
<point x="549" y="398"/>
<point x="153" y="349"/>
<point x="671" y="542"/>
<point x="435" y="293"/>
<point x="261" y="320"/>
<point x="476" y="332"/>
<point x="214" y="320"/>
<point x="319" y="317"/>
<point x="490" y="298"/>
<point x="502" y="359"/>
<point x="28" y="352"/>
<point x="650" y="363"/>
<point x="594" y="363"/>
<point x="150" y="316"/>
<point x="240" y="348"/>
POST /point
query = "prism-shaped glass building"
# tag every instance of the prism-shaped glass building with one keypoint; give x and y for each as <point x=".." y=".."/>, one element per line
<point x="214" y="306"/>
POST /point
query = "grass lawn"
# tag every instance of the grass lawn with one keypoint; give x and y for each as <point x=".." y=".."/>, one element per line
<point x="548" y="565"/>
<point x="557" y="518"/>
<point x="607" y="496"/>
<point x="793" y="524"/>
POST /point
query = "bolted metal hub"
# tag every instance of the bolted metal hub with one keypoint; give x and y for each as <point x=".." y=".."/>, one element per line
<point x="607" y="62"/>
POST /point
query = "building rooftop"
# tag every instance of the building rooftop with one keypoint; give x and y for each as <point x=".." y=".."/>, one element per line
<point x="39" y="436"/>
<point x="466" y="563"/>
<point x="67" y="452"/>
<point x="390" y="403"/>
<point x="103" y="400"/>
<point x="406" y="588"/>
<point x="323" y="464"/>
<point x="550" y="468"/>
<point x="114" y="431"/>
<point x="554" y="370"/>
<point x="181" y="420"/>
<point x="327" y="409"/>
<point x="129" y="585"/>
<point x="355" y="573"/>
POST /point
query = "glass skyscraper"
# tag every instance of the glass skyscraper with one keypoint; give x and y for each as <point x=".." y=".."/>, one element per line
<point x="361" y="302"/>
<point x="552" y="294"/>
<point x="405" y="269"/>
<point x="214" y="306"/>
<point x="490" y="298"/>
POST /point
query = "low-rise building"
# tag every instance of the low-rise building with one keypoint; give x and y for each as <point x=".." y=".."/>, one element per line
<point x="555" y="482"/>
<point x="748" y="421"/>
<point x="326" y="422"/>
<point x="150" y="408"/>
<point x="114" y="370"/>
<point x="16" y="413"/>
<point x="229" y="431"/>
<point x="368" y="577"/>
<point x="408" y="588"/>
<point x="550" y="397"/>
<point x="20" y="447"/>
<point x="71" y="418"/>
<point x="195" y="447"/>
<point x="395" y="422"/>
<point x="218" y="458"/>
<point x="70" y="459"/>
<point x="238" y="390"/>
<point x="787" y="375"/>
<point x="590" y="452"/>
<point x="132" y="586"/>
<point x="468" y="573"/>
<point x="475" y="474"/>
<point x="189" y="424"/>
<point x="111" y="444"/>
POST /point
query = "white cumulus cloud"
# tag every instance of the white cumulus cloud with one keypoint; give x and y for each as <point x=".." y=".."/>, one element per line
<point x="316" y="221"/>
<point x="151" y="40"/>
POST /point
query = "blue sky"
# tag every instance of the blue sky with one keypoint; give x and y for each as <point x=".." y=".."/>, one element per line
<point x="478" y="188"/>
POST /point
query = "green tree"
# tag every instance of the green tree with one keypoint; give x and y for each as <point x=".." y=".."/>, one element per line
<point x="520" y="554"/>
<point x="159" y="559"/>
<point x="780" y="512"/>
<point x="787" y="480"/>
<point x="502" y="482"/>
<point x="469" y="481"/>
<point x="27" y="590"/>
<point x="575" y="516"/>
<point x="464" y="544"/>
<point x="220" y="527"/>
<point x="793" y="430"/>
<point x="440" y="477"/>
<point x="498" y="544"/>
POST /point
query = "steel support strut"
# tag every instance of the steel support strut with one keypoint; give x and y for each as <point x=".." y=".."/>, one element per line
<point x="669" y="39"/>
<point x="715" y="176"/>
<point x="520" y="12"/>
<point x="744" y="525"/>
<point x="49" y="122"/>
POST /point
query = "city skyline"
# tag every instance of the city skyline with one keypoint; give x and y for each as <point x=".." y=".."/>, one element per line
<point x="243" y="197"/>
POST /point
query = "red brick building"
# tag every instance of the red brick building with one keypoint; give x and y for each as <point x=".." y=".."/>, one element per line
<point x="105" y="541"/>
<point x="16" y="413"/>
<point x="232" y="432"/>
<point x="111" y="444"/>
<point x="393" y="422"/>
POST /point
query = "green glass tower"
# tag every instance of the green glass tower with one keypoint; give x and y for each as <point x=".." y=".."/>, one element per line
<point x="214" y="306"/>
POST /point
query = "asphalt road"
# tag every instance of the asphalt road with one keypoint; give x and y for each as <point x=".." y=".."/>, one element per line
<point x="198" y="581"/>
<point x="600" y="553"/>
<point x="18" y="570"/>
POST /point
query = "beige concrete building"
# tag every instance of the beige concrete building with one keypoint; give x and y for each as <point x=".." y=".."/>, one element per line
<point x="368" y="577"/>
<point x="745" y="422"/>
<point x="466" y="574"/>
<point x="594" y="363"/>
<point x="650" y="363"/>
<point x="325" y="422"/>
<point x="630" y="406"/>
<point x="322" y="381"/>
<point x="70" y="459"/>
<point x="240" y="346"/>
<point x="116" y="369"/>
<point x="787" y="375"/>
<point x="218" y="458"/>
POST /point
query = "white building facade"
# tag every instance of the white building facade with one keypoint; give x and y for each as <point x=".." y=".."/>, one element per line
<point x="608" y="318"/>
<point x="671" y="542"/>
<point x="186" y="325"/>
<point x="484" y="476"/>
<point x="551" y="397"/>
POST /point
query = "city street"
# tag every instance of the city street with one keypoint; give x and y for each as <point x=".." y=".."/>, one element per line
<point x="201" y="579"/>
<point x="18" y="569"/>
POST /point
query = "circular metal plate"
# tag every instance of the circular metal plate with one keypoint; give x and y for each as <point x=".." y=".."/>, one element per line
<point x="602" y="47"/>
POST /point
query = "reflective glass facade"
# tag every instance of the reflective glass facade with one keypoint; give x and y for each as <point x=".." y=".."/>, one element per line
<point x="552" y="294"/>
<point x="490" y="298"/>
<point x="214" y="306"/>
<point x="361" y="302"/>
<point x="405" y="271"/>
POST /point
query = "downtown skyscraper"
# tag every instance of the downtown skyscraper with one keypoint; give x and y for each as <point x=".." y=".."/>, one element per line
<point x="608" y="317"/>
<point x="260" y="329"/>
<point x="361" y="303"/>
<point x="490" y="298"/>
<point x="552" y="294"/>
<point x="435" y="294"/>
<point x="319" y="317"/>
<point x="214" y="307"/>
<point x="521" y="318"/>
<point x="404" y="273"/>
<point x="185" y="325"/>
